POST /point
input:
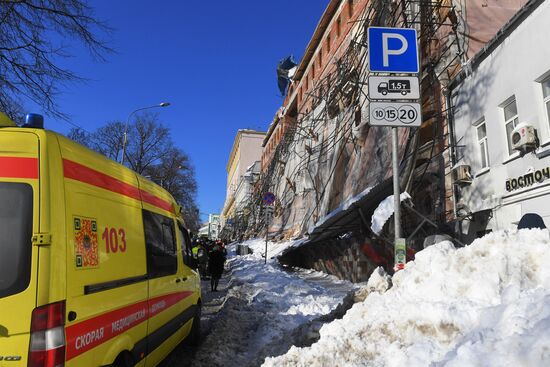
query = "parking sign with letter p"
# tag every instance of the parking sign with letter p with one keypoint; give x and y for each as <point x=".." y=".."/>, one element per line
<point x="393" y="50"/>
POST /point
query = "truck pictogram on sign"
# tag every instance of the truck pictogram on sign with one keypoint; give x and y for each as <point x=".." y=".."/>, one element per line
<point x="395" y="86"/>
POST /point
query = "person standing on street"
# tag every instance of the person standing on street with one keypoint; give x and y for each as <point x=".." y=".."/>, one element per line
<point x="216" y="261"/>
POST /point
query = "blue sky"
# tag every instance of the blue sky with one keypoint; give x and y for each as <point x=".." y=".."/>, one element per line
<point x="214" y="61"/>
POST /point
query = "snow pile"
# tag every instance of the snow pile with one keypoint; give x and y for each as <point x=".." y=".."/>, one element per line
<point x="487" y="304"/>
<point x="384" y="211"/>
<point x="379" y="281"/>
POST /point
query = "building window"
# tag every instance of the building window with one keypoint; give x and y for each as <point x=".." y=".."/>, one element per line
<point x="511" y="121"/>
<point x="482" y="142"/>
<point x="338" y="26"/>
<point x="546" y="95"/>
<point x="350" y="8"/>
<point x="328" y="44"/>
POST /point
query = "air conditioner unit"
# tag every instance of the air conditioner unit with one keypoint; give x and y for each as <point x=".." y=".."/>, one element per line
<point x="462" y="174"/>
<point x="524" y="138"/>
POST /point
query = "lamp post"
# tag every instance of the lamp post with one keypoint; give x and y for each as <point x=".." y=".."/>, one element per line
<point x="125" y="137"/>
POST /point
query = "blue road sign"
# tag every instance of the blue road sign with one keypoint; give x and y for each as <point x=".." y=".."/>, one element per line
<point x="393" y="50"/>
<point x="269" y="198"/>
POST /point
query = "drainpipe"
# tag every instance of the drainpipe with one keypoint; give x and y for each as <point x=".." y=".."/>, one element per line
<point x="452" y="149"/>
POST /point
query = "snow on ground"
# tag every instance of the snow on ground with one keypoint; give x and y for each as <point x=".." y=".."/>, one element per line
<point x="384" y="211"/>
<point x="274" y="249"/>
<point x="487" y="304"/>
<point x="267" y="309"/>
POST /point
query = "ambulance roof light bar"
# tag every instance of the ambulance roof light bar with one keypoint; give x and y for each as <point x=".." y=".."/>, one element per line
<point x="34" y="121"/>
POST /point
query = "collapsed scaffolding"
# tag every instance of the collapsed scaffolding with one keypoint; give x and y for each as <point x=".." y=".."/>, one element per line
<point x="327" y="155"/>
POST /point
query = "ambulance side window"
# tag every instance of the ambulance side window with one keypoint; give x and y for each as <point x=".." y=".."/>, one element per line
<point x="186" y="247"/>
<point x="15" y="237"/>
<point x="162" y="258"/>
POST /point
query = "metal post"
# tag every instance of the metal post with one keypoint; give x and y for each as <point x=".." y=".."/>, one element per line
<point x="400" y="244"/>
<point x="125" y="138"/>
<point x="396" y="189"/>
<point x="125" y="135"/>
<point x="266" y="231"/>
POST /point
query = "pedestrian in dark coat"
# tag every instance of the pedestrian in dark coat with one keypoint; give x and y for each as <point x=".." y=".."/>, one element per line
<point x="216" y="261"/>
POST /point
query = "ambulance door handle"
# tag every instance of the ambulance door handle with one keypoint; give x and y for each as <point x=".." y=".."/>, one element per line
<point x="178" y="280"/>
<point x="184" y="279"/>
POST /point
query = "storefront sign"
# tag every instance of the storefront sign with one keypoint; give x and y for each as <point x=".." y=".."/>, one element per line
<point x="527" y="179"/>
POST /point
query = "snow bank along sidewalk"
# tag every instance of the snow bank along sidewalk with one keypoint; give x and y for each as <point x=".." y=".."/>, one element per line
<point x="265" y="307"/>
<point x="487" y="304"/>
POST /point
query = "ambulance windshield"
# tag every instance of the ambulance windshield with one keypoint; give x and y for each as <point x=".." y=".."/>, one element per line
<point x="15" y="237"/>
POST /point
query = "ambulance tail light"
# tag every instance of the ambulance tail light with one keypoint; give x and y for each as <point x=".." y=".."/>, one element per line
<point x="47" y="346"/>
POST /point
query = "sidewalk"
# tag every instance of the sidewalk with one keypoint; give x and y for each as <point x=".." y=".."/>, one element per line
<point x="262" y="310"/>
<point x="212" y="303"/>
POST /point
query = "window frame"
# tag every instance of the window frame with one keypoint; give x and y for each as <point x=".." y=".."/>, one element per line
<point x="546" y="99"/>
<point x="514" y="120"/>
<point x="186" y="250"/>
<point x="483" y="144"/>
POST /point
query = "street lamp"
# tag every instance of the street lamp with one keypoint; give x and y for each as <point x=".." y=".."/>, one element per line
<point x="125" y="137"/>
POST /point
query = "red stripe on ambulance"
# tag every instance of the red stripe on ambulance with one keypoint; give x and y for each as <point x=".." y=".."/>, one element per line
<point x="18" y="167"/>
<point x="156" y="201"/>
<point x="88" y="334"/>
<point x="79" y="172"/>
<point x="159" y="304"/>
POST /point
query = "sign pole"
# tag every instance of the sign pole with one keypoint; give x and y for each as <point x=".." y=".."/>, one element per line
<point x="268" y="199"/>
<point x="266" y="231"/>
<point x="400" y="244"/>
<point x="395" y="101"/>
<point x="396" y="189"/>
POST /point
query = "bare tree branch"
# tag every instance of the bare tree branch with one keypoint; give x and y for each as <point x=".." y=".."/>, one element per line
<point x="150" y="152"/>
<point x="28" y="55"/>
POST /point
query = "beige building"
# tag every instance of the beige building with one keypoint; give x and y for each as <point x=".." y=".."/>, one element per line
<point x="247" y="149"/>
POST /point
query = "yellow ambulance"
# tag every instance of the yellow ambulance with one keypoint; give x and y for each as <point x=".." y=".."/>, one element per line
<point x="96" y="266"/>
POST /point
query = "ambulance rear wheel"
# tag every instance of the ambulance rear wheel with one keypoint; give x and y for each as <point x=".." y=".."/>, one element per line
<point x="123" y="360"/>
<point x="195" y="335"/>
